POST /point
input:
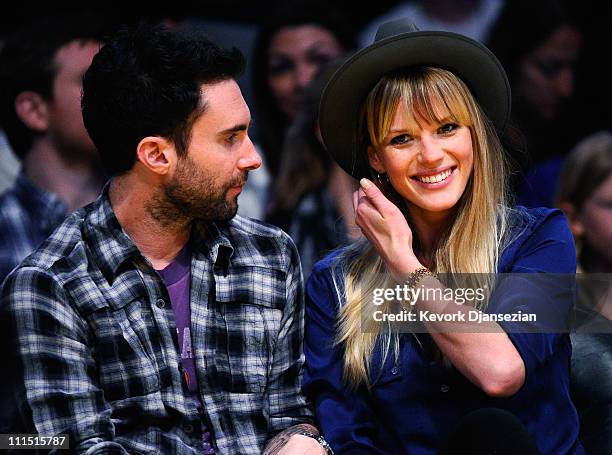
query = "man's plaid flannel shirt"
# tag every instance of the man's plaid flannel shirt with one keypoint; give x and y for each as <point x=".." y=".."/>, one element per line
<point x="93" y="332"/>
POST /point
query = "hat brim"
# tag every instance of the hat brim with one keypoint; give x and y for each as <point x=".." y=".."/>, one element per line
<point x="342" y="98"/>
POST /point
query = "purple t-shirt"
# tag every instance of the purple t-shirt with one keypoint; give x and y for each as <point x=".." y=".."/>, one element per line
<point x="177" y="277"/>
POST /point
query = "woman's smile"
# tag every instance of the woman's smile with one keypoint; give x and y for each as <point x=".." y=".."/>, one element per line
<point x="436" y="179"/>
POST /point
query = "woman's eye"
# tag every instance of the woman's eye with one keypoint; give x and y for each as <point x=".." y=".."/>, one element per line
<point x="604" y="204"/>
<point x="279" y="66"/>
<point x="448" y="128"/>
<point x="401" y="139"/>
<point x="319" y="59"/>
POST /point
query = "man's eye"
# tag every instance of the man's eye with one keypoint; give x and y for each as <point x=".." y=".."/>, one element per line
<point x="401" y="139"/>
<point x="232" y="139"/>
<point x="448" y="128"/>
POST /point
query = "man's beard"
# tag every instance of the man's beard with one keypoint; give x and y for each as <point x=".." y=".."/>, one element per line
<point x="194" y="194"/>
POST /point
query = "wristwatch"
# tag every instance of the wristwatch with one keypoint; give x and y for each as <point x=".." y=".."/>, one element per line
<point x="320" y="439"/>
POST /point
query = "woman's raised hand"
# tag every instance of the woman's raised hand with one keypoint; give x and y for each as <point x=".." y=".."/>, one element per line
<point x="385" y="226"/>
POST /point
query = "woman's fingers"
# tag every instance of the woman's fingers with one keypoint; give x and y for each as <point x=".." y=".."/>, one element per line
<point x="377" y="198"/>
<point x="382" y="223"/>
<point x="359" y="196"/>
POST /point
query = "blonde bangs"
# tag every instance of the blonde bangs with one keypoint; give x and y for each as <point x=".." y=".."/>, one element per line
<point x="431" y="95"/>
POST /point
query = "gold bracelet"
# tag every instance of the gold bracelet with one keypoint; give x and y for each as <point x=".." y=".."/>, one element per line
<point x="417" y="275"/>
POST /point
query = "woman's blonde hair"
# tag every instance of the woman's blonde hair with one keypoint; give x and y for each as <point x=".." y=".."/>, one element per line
<point x="473" y="240"/>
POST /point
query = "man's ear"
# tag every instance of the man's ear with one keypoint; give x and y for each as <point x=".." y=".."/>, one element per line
<point x="375" y="162"/>
<point x="573" y="218"/>
<point x="33" y="110"/>
<point x="156" y="154"/>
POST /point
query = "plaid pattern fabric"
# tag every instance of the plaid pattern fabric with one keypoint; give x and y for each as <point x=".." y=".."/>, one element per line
<point x="93" y="328"/>
<point x="28" y="215"/>
<point x="317" y="228"/>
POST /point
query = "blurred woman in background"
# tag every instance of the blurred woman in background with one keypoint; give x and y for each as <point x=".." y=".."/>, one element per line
<point x="311" y="198"/>
<point x="585" y="195"/>
<point x="538" y="44"/>
<point x="290" y="50"/>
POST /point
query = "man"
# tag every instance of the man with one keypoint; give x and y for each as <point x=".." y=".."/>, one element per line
<point x="154" y="320"/>
<point x="41" y="68"/>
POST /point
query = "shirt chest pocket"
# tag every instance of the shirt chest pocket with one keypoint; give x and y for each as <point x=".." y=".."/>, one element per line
<point x="126" y="345"/>
<point x="249" y="303"/>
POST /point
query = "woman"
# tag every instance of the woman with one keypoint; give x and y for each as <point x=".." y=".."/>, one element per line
<point x="585" y="195"/>
<point x="290" y="49"/>
<point x="419" y="111"/>
<point x="539" y="45"/>
<point x="312" y="195"/>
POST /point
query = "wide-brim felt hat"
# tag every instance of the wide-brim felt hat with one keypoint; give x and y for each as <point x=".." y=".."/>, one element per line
<point x="399" y="44"/>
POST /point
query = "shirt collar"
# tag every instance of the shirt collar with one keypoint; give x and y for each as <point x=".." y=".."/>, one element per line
<point x="212" y="239"/>
<point x="109" y="243"/>
<point x="112" y="246"/>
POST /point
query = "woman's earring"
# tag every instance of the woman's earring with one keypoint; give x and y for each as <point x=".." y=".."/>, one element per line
<point x="382" y="178"/>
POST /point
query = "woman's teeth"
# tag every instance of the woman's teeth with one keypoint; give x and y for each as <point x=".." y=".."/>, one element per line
<point x="435" y="178"/>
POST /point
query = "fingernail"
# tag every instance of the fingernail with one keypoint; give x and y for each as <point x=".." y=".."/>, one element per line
<point x="365" y="183"/>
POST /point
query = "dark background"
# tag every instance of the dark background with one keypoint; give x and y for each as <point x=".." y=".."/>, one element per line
<point x="593" y="97"/>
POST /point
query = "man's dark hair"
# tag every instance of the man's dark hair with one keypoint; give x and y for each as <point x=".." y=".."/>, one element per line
<point x="146" y="82"/>
<point x="27" y="63"/>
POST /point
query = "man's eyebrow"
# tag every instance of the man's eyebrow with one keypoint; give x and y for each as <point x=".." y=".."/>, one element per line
<point x="235" y="129"/>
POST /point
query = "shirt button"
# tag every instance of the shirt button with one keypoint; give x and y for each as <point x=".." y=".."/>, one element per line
<point x="160" y="303"/>
<point x="394" y="370"/>
<point x="444" y="388"/>
<point x="188" y="428"/>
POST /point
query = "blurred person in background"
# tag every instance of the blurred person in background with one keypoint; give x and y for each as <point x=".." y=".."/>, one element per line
<point x="290" y="50"/>
<point x="41" y="71"/>
<point x="538" y="45"/>
<point x="311" y="196"/>
<point x="585" y="195"/>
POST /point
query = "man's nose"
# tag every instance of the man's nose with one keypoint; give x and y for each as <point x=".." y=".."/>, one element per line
<point x="250" y="159"/>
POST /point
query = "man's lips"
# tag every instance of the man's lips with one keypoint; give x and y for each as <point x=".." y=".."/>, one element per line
<point x="239" y="185"/>
<point x="239" y="182"/>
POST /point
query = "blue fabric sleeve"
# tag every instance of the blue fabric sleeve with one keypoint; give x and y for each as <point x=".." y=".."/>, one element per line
<point x="344" y="416"/>
<point x="540" y="281"/>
